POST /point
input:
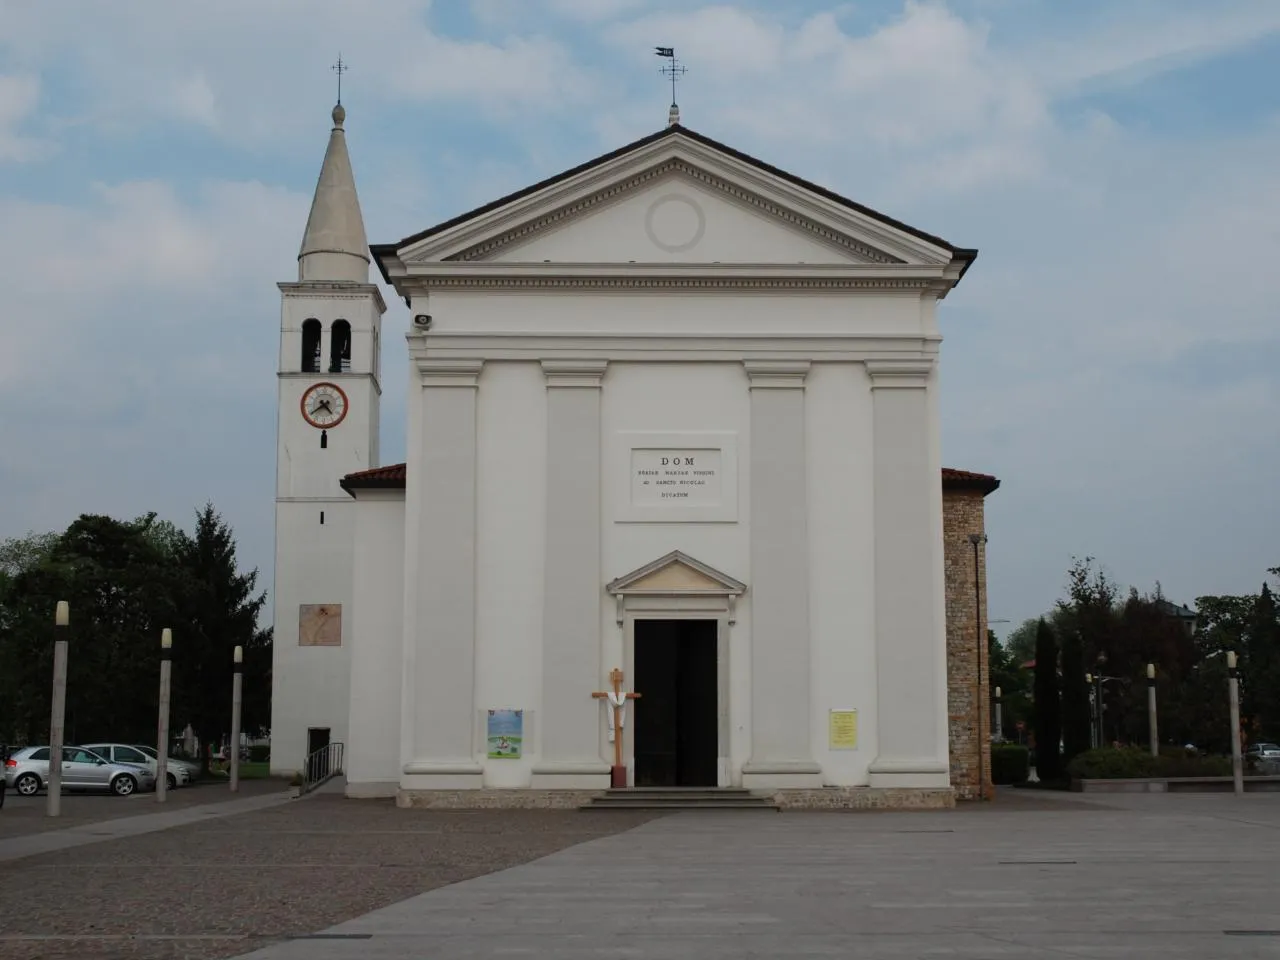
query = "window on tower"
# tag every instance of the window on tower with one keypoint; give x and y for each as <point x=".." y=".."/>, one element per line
<point x="340" y="347"/>
<point x="311" y="346"/>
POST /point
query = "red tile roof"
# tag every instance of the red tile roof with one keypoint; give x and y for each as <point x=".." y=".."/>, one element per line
<point x="394" y="475"/>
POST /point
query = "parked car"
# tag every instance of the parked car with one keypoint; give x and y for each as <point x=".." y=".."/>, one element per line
<point x="177" y="775"/>
<point x="193" y="769"/>
<point x="27" y="771"/>
<point x="1264" y="751"/>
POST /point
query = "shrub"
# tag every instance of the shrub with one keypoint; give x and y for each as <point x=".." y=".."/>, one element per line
<point x="260" y="753"/>
<point x="1010" y="763"/>
<point x="1120" y="763"/>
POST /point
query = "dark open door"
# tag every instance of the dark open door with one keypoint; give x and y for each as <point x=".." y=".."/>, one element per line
<point x="676" y="742"/>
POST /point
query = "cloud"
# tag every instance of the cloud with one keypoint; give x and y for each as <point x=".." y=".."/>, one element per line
<point x="19" y="96"/>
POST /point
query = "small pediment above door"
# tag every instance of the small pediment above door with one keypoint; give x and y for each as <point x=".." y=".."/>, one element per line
<point x="676" y="574"/>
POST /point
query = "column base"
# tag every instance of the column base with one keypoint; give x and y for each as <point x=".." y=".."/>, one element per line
<point x="909" y="774"/>
<point x="781" y="774"/>
<point x="442" y="775"/>
<point x="572" y="775"/>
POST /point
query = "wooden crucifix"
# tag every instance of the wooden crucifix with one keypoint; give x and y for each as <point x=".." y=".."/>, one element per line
<point x="618" y="702"/>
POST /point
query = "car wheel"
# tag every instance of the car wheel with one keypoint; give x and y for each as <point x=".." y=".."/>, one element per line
<point x="171" y="781"/>
<point x="27" y="785"/>
<point x="123" y="785"/>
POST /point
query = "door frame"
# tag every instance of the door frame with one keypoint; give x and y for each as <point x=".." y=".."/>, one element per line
<point x="723" y="777"/>
<point x="678" y="587"/>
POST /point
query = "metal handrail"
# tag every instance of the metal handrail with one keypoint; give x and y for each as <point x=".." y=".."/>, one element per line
<point x="321" y="766"/>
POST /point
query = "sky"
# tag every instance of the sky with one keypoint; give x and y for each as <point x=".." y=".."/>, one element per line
<point x="1112" y="356"/>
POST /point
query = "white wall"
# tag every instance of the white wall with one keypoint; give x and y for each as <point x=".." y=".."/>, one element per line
<point x="650" y="314"/>
<point x="376" y="643"/>
<point x="511" y="476"/>
<point x="310" y="685"/>
<point x="842" y="564"/>
<point x="676" y="397"/>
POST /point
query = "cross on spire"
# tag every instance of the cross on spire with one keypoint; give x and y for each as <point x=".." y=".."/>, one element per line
<point x="339" y="68"/>
<point x="675" y="70"/>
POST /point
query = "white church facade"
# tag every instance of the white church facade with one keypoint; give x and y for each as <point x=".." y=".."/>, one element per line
<point x="672" y="413"/>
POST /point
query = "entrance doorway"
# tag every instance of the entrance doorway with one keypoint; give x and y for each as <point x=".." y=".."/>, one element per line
<point x="676" y="716"/>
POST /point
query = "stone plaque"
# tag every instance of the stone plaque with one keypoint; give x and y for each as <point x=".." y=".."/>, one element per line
<point x="320" y="625"/>
<point x="675" y="477"/>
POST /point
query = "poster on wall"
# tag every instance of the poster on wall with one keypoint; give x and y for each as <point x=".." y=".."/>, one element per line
<point x="506" y="734"/>
<point x="843" y="733"/>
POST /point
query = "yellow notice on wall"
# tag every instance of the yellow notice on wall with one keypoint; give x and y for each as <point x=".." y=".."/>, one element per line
<point x="843" y="729"/>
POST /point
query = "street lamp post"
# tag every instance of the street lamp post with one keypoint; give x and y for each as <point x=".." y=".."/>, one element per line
<point x="162" y="728"/>
<point x="1151" y="709"/>
<point x="998" y="736"/>
<point x="236" y="690"/>
<point x="61" y="626"/>
<point x="1233" y="692"/>
<point x="977" y="539"/>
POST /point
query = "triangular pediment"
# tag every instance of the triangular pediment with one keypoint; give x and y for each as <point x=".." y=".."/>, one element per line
<point x="675" y="198"/>
<point x="677" y="573"/>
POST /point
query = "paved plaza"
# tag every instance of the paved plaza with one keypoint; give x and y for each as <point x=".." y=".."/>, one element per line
<point x="1032" y="875"/>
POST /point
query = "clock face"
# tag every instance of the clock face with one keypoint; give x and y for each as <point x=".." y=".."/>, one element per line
<point x="324" y="405"/>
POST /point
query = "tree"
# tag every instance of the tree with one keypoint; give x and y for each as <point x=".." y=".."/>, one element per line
<point x="120" y="585"/>
<point x="1048" y="726"/>
<point x="1075" y="698"/>
<point x="1005" y="671"/>
<point x="220" y="609"/>
<point x="1021" y="641"/>
<point x="1261" y="669"/>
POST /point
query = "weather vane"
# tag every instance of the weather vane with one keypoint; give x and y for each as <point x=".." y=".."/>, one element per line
<point x="339" y="68"/>
<point x="675" y="70"/>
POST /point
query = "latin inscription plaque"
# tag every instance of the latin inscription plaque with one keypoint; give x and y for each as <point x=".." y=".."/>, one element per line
<point x="675" y="477"/>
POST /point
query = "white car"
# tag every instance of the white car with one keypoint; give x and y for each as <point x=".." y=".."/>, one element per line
<point x="177" y="774"/>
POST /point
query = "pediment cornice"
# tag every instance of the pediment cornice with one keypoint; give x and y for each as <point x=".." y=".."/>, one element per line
<point x="861" y="236"/>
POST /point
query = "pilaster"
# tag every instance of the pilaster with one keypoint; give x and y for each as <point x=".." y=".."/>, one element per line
<point x="910" y="637"/>
<point x="781" y="750"/>
<point x="569" y="747"/>
<point x="443" y="751"/>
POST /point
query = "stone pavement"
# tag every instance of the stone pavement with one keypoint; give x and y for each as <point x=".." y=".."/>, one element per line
<point x="114" y="821"/>
<point x="1031" y="876"/>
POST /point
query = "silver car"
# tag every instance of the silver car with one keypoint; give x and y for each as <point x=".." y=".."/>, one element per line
<point x="177" y="775"/>
<point x="27" y="772"/>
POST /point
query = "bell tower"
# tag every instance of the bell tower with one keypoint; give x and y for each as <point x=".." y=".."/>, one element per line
<point x="327" y="426"/>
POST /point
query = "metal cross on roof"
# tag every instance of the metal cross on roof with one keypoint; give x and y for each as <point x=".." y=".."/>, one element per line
<point x="339" y="68"/>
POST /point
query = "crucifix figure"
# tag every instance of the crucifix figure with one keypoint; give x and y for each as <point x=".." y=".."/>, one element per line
<point x="617" y="717"/>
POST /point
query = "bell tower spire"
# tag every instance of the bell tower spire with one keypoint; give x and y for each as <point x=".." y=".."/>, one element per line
<point x="334" y="246"/>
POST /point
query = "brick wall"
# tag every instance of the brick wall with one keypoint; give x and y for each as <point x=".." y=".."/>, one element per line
<point x="962" y="513"/>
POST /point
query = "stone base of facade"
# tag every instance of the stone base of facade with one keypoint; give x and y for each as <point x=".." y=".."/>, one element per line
<point x="820" y="798"/>
<point x="867" y="798"/>
<point x="372" y="789"/>
<point x="494" y="799"/>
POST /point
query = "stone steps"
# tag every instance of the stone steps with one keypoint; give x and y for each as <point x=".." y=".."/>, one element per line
<point x="679" y="798"/>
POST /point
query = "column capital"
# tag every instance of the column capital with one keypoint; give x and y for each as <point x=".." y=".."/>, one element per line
<point x="574" y="373"/>
<point x="900" y="374"/>
<point x="449" y="373"/>
<point x="776" y="374"/>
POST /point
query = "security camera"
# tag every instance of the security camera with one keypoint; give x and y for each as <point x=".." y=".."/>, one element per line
<point x="422" y="321"/>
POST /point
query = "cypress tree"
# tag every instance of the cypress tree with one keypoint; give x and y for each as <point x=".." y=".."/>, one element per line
<point x="1047" y="705"/>
<point x="1075" y="698"/>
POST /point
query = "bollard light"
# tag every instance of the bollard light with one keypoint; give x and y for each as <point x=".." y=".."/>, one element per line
<point x="62" y="614"/>
<point x="238" y="655"/>
<point x="1151" y="671"/>
<point x="166" y="639"/>
<point x="1231" y="659"/>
